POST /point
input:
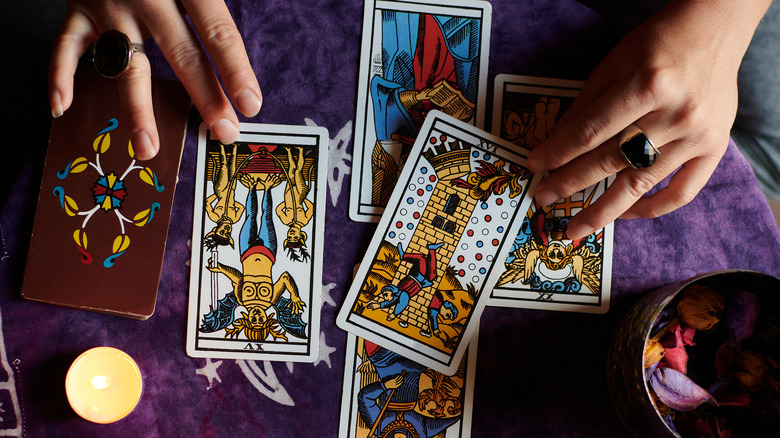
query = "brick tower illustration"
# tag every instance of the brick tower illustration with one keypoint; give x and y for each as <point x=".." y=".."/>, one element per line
<point x="446" y="213"/>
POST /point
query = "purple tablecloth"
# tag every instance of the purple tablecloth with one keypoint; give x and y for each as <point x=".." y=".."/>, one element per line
<point x="539" y="373"/>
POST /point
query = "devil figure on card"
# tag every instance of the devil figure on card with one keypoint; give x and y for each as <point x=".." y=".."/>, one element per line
<point x="251" y="299"/>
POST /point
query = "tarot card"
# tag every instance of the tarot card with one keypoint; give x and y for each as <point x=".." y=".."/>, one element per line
<point x="421" y="286"/>
<point x="99" y="234"/>
<point x="251" y="298"/>
<point x="416" y="56"/>
<point x="384" y="392"/>
<point x="526" y="108"/>
<point x="544" y="268"/>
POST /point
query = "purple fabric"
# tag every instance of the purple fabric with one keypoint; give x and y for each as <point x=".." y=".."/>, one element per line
<point x="539" y="373"/>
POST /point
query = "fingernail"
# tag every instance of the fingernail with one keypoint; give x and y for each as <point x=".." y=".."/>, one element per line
<point x="577" y="230"/>
<point x="248" y="102"/>
<point x="143" y="146"/>
<point x="546" y="197"/>
<point x="56" y="107"/>
<point x="535" y="165"/>
<point x="225" y="131"/>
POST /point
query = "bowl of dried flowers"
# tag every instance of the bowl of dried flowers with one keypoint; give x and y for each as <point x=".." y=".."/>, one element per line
<point x="701" y="358"/>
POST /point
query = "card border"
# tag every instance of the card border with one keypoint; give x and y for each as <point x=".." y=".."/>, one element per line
<point x="196" y="269"/>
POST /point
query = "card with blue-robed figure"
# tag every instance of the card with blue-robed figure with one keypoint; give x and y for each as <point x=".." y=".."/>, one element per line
<point x="416" y="57"/>
<point x="385" y="393"/>
<point x="257" y="243"/>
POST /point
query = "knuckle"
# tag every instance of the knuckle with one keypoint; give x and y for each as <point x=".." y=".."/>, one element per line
<point x="139" y="69"/>
<point x="588" y="134"/>
<point x="65" y="39"/>
<point x="684" y="197"/>
<point x="214" y="107"/>
<point x="638" y="183"/>
<point x="654" y="86"/>
<point x="186" y="58"/>
<point x="690" y="116"/>
<point x="220" y="34"/>
<point x="145" y="4"/>
<point x="612" y="162"/>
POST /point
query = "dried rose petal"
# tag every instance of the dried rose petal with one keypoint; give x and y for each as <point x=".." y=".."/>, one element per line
<point x="712" y="426"/>
<point x="724" y="358"/>
<point x="678" y="391"/>
<point x="663" y="319"/>
<point x="677" y="336"/>
<point x="699" y="307"/>
<point x="754" y="374"/>
<point x="742" y="315"/>
<point x="650" y="370"/>
<point x="735" y="399"/>
<point x="654" y="351"/>
<point x="676" y="358"/>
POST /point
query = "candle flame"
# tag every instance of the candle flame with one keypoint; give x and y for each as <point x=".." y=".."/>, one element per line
<point x="100" y="382"/>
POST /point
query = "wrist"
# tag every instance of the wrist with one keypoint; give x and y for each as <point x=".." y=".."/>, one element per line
<point x="729" y="22"/>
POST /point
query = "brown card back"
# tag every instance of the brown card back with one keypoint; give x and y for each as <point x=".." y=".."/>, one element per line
<point x="102" y="217"/>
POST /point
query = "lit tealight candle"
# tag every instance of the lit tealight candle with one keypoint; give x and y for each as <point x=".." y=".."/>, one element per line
<point x="103" y="385"/>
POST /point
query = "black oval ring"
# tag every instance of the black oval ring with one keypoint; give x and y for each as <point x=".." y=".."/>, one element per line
<point x="112" y="52"/>
<point x="637" y="149"/>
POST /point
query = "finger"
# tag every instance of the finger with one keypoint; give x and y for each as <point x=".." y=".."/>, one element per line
<point x="599" y="121"/>
<point x="76" y="34"/>
<point x="135" y="93"/>
<point x="223" y="42"/>
<point x="181" y="48"/>
<point x="629" y="186"/>
<point x="681" y="190"/>
<point x="595" y="165"/>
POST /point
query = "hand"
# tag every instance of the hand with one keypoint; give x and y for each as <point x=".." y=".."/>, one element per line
<point x="674" y="76"/>
<point x="210" y="266"/>
<point x="296" y="305"/>
<point x="394" y="382"/>
<point x="163" y="20"/>
<point x="271" y="180"/>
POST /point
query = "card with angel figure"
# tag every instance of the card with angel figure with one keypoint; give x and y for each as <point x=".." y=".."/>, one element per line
<point x="426" y="275"/>
<point x="257" y="243"/>
<point x="544" y="268"/>
<point x="416" y="56"/>
<point x="386" y="393"/>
